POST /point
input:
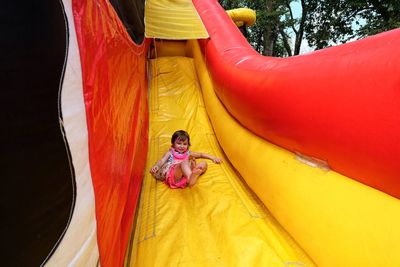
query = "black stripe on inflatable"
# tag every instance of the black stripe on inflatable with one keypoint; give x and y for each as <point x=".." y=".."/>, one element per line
<point x="38" y="188"/>
<point x="131" y="13"/>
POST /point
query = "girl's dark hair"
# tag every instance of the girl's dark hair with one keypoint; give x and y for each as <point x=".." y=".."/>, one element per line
<point x="180" y="135"/>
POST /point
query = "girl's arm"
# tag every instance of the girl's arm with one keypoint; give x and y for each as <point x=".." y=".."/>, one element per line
<point x="159" y="163"/>
<point x="205" y="156"/>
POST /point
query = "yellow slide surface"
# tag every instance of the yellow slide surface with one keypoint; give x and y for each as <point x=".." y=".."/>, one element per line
<point x="217" y="222"/>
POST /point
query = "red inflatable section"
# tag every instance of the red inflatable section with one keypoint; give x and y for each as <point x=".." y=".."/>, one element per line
<point x="340" y="105"/>
<point x="115" y="92"/>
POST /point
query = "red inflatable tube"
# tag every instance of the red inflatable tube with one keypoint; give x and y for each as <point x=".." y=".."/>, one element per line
<point x="340" y="104"/>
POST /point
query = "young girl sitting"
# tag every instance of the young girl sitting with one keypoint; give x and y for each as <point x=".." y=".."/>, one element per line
<point x="178" y="168"/>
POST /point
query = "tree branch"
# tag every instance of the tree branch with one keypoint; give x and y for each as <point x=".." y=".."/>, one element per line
<point x="285" y="40"/>
<point x="291" y="16"/>
<point x="299" y="34"/>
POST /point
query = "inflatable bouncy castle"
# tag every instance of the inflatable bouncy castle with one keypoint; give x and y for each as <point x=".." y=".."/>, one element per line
<point x="93" y="91"/>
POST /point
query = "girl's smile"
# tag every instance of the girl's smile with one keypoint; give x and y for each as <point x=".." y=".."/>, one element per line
<point x="181" y="146"/>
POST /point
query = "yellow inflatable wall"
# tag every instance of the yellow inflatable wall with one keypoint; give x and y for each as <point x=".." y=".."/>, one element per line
<point x="336" y="220"/>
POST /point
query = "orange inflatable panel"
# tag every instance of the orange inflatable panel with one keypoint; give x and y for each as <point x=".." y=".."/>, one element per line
<point x="115" y="93"/>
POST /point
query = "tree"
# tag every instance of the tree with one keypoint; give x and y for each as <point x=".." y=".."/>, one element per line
<point x="271" y="34"/>
<point x="294" y="24"/>
<point x="322" y="23"/>
<point x="338" y="21"/>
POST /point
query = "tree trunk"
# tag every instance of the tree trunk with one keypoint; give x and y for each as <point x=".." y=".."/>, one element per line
<point x="269" y="41"/>
<point x="300" y="32"/>
<point x="285" y="41"/>
<point x="270" y="34"/>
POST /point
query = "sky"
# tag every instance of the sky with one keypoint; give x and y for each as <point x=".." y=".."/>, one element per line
<point x="296" y="9"/>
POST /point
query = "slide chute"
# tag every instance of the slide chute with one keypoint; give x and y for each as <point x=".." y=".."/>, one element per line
<point x="310" y="143"/>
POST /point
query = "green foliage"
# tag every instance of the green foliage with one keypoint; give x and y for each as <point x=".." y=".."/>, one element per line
<point x="268" y="15"/>
<point x="339" y="21"/>
<point x="276" y="31"/>
<point x="231" y="4"/>
<point x="322" y="22"/>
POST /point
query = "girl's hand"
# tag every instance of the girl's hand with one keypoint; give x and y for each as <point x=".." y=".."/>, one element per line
<point x="217" y="160"/>
<point x="154" y="169"/>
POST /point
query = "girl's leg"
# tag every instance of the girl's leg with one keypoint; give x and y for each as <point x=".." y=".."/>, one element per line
<point x="184" y="169"/>
<point x="198" y="170"/>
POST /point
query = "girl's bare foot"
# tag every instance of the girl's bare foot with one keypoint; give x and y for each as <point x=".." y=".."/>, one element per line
<point x="196" y="172"/>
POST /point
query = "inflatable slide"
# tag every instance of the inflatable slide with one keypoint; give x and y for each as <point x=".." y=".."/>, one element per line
<point x="285" y="125"/>
<point x="310" y="144"/>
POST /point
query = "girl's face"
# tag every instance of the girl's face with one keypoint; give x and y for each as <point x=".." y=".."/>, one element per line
<point x="180" y="145"/>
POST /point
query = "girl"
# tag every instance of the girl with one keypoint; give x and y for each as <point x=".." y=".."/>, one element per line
<point x="178" y="168"/>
